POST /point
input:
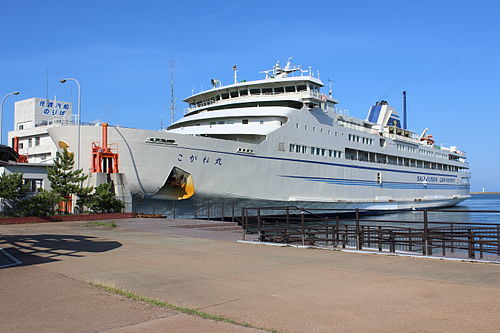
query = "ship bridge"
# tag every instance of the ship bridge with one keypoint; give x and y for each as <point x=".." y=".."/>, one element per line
<point x="248" y="111"/>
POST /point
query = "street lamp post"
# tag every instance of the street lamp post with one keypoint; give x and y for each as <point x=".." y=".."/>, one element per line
<point x="1" y="111"/>
<point x="78" y="119"/>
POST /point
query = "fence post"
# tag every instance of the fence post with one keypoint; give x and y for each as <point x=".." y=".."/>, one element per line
<point x="481" y="247"/>
<point x="259" y="228"/>
<point x="380" y="239"/>
<point x="337" y="231"/>
<point x="410" y="239"/>
<point x="498" y="240"/>
<point x="302" y="225"/>
<point x="232" y="213"/>
<point x="243" y="231"/>
<point x="426" y="234"/>
<point x="392" y="245"/>
<point x="452" y="243"/>
<point x="358" y="236"/>
<point x="288" y="217"/>
<point x="443" y="244"/>
<point x="346" y="235"/>
<point x="470" y="237"/>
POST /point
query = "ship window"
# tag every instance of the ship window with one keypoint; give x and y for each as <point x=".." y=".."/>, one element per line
<point x="30" y="144"/>
<point x="262" y="122"/>
<point x="224" y="95"/>
<point x="234" y="94"/>
<point x="217" y="97"/>
<point x="312" y="150"/>
<point x="243" y="92"/>
<point x="267" y="91"/>
<point x="301" y="88"/>
<point x="279" y="90"/>
<point x="297" y="148"/>
<point x="290" y="89"/>
<point x="304" y="149"/>
<point x="297" y="125"/>
<point x="21" y="146"/>
<point x="329" y="153"/>
<point x="292" y="147"/>
<point x="254" y="91"/>
<point x="305" y="127"/>
<point x="221" y="122"/>
<point x="37" y="141"/>
<point x="244" y="121"/>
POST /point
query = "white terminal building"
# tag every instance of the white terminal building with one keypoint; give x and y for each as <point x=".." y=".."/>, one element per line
<point x="32" y="118"/>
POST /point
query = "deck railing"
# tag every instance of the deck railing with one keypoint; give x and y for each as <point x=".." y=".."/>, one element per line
<point x="359" y="229"/>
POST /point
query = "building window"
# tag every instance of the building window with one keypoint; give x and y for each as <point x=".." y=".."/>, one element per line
<point x="34" y="185"/>
<point x="37" y="141"/>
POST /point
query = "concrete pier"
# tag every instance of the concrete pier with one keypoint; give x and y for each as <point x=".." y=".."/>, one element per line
<point x="286" y="289"/>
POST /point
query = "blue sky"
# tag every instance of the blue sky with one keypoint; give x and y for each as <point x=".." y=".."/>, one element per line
<point x="446" y="54"/>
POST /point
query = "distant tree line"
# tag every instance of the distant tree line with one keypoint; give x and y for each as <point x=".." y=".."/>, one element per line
<point x="65" y="183"/>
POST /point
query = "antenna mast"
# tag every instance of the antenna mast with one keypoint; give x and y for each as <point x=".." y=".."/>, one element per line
<point x="404" y="110"/>
<point x="172" y="100"/>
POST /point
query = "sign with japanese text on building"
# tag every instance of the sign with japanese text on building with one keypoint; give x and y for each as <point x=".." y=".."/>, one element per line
<point x="47" y="108"/>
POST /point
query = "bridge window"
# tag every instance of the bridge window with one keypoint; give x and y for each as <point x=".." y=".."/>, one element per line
<point x="279" y="90"/>
<point x="290" y="88"/>
<point x="243" y="92"/>
<point x="254" y="91"/>
<point x="301" y="87"/>
<point x="224" y="95"/>
<point x="234" y="94"/>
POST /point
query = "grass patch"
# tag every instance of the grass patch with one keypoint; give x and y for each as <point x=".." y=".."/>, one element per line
<point x="111" y="224"/>
<point x="193" y="312"/>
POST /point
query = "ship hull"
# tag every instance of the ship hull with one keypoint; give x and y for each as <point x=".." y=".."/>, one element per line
<point x="260" y="174"/>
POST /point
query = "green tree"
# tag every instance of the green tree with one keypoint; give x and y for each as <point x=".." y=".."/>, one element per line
<point x="12" y="189"/>
<point x="103" y="200"/>
<point x="64" y="180"/>
<point x="44" y="203"/>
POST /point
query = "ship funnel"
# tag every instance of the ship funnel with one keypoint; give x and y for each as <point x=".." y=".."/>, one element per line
<point x="383" y="114"/>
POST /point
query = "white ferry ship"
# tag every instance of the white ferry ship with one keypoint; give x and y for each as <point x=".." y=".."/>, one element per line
<point x="280" y="140"/>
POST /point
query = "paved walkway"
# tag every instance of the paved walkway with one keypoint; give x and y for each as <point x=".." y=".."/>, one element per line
<point x="288" y="289"/>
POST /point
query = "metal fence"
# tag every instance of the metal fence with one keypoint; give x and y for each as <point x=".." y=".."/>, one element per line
<point x="368" y="230"/>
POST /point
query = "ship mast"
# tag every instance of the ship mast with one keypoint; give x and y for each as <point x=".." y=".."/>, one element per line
<point x="172" y="100"/>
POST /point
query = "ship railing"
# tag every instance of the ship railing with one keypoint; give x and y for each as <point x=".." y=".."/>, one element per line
<point x="429" y="232"/>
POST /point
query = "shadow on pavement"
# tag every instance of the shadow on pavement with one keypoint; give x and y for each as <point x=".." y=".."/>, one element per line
<point x="37" y="249"/>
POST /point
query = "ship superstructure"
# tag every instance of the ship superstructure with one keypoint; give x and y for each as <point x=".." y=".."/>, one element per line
<point x="281" y="140"/>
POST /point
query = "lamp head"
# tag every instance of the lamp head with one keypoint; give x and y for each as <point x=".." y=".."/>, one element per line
<point x="16" y="92"/>
<point x="63" y="81"/>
